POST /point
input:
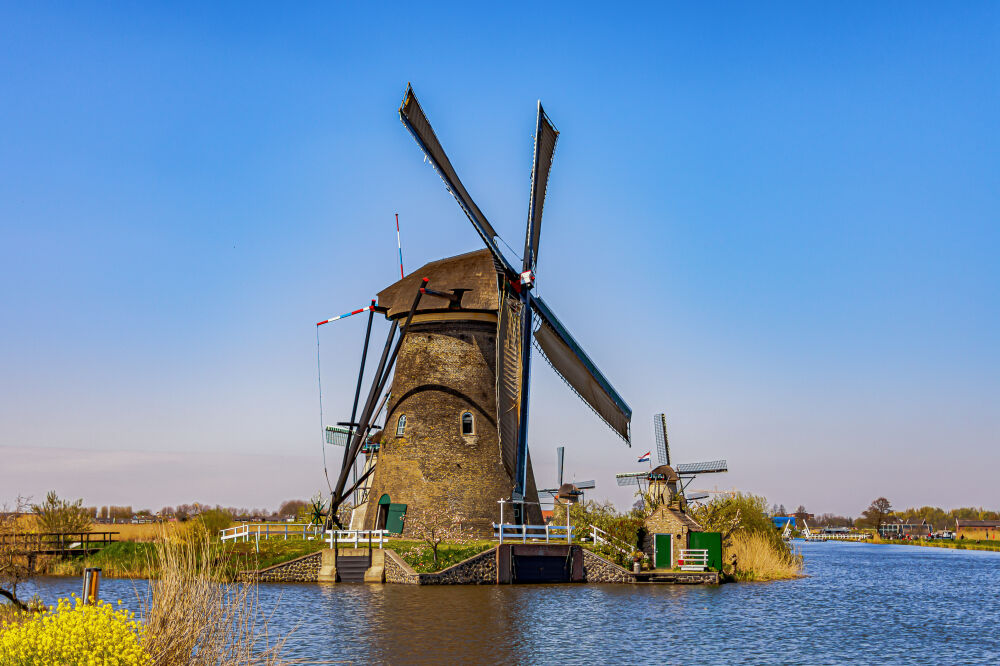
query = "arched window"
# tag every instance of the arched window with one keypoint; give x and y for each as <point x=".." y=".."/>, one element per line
<point x="467" y="423"/>
<point x="401" y="425"/>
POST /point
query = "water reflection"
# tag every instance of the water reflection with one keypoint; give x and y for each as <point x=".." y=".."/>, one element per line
<point x="860" y="603"/>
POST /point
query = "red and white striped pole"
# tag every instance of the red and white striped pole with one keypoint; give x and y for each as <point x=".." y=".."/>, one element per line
<point x="346" y="314"/>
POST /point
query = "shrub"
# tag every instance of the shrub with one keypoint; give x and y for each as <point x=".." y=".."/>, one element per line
<point x="215" y="520"/>
<point x="75" y="634"/>
<point x="748" y="533"/>
<point x="62" y="516"/>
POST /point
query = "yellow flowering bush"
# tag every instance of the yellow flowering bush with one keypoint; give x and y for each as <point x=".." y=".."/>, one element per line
<point x="75" y="634"/>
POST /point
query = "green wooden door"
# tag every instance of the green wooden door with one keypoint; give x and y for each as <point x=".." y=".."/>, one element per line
<point x="661" y="548"/>
<point x="394" y="518"/>
<point x="710" y="541"/>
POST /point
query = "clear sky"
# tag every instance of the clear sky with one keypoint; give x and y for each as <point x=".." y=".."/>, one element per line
<point x="778" y="224"/>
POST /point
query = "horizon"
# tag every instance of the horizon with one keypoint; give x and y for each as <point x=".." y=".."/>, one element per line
<point x="776" y="226"/>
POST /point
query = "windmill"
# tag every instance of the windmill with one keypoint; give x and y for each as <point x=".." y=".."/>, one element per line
<point x="565" y="493"/>
<point x="456" y="428"/>
<point x="666" y="480"/>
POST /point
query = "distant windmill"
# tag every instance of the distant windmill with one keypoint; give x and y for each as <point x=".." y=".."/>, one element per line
<point x="669" y="479"/>
<point x="566" y="493"/>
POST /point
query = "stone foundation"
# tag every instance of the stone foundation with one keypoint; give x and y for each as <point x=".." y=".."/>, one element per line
<point x="596" y="569"/>
<point x="303" y="569"/>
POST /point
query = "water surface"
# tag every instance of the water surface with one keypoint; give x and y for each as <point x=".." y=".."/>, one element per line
<point x="861" y="602"/>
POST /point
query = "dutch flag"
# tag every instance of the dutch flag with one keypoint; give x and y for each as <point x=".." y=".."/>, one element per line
<point x="645" y="456"/>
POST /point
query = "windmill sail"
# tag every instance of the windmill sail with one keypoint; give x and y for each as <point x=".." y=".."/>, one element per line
<point x="630" y="479"/>
<point x="508" y="374"/>
<point x="703" y="467"/>
<point x="416" y="122"/>
<point x="662" y="444"/>
<point x="545" y="146"/>
<point x="567" y="358"/>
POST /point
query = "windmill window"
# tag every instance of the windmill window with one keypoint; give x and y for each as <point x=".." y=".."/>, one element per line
<point x="401" y="425"/>
<point x="468" y="427"/>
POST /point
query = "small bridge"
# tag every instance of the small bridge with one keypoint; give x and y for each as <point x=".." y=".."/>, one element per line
<point x="57" y="543"/>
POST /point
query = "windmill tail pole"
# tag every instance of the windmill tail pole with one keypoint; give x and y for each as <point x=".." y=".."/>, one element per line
<point x="382" y="375"/>
<point x="361" y="372"/>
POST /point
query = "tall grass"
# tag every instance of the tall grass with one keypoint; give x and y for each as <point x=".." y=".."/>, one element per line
<point x="760" y="558"/>
<point x="193" y="615"/>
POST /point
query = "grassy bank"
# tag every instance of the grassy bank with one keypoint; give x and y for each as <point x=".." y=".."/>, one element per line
<point x="961" y="544"/>
<point x="136" y="559"/>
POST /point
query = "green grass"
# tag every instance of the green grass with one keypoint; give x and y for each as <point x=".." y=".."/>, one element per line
<point x="129" y="559"/>
<point x="419" y="555"/>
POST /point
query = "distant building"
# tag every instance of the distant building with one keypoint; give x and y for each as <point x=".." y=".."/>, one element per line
<point x="980" y="530"/>
<point x="781" y="521"/>
<point x="897" y="528"/>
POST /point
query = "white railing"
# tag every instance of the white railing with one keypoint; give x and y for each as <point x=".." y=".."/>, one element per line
<point x="693" y="559"/>
<point x="534" y="532"/>
<point x="258" y="531"/>
<point x="600" y="536"/>
<point x="819" y="536"/>
<point x="357" y="537"/>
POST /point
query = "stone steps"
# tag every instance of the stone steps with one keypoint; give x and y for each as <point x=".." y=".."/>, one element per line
<point x="352" y="568"/>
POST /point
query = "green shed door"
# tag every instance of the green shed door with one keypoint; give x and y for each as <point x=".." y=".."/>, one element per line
<point x="710" y="541"/>
<point x="394" y="518"/>
<point x="661" y="551"/>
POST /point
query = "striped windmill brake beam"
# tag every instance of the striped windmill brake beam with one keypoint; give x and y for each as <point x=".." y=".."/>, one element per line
<point x="346" y="314"/>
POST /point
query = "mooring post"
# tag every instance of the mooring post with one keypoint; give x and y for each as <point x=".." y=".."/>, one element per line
<point x="91" y="583"/>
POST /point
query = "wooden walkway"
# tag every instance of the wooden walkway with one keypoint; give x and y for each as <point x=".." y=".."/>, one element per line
<point x="57" y="543"/>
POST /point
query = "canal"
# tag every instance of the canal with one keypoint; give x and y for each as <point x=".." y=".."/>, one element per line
<point x="860" y="602"/>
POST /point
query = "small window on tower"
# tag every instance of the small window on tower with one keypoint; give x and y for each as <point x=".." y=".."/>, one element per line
<point x="401" y="425"/>
<point x="467" y="424"/>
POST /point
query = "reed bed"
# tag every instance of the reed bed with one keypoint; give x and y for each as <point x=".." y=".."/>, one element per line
<point x="194" y="615"/>
<point x="761" y="557"/>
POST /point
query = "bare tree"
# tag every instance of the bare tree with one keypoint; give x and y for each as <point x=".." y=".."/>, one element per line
<point x="15" y="566"/>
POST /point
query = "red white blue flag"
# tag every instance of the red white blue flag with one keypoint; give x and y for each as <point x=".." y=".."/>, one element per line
<point x="645" y="456"/>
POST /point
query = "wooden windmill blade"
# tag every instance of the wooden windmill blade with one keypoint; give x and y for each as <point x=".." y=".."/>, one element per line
<point x="662" y="443"/>
<point x="546" y="136"/>
<point x="413" y="117"/>
<point x="569" y="360"/>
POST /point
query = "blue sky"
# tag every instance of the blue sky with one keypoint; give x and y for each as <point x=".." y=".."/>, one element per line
<point x="779" y="225"/>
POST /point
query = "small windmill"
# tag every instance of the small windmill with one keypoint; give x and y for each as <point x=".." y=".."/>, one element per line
<point x="670" y="480"/>
<point x="566" y="493"/>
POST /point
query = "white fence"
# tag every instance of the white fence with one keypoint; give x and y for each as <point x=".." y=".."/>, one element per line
<point x="523" y="533"/>
<point x="820" y="536"/>
<point x="357" y="537"/>
<point x="600" y="536"/>
<point x="259" y="531"/>
<point x="693" y="559"/>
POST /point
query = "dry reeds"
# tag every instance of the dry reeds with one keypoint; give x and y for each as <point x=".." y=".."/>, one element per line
<point x="759" y="557"/>
<point x="193" y="615"/>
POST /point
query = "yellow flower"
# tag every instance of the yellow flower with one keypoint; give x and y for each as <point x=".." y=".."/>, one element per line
<point x="73" y="634"/>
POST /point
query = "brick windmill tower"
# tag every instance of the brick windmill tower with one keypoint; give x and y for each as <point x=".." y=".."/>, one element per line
<point x="455" y="439"/>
